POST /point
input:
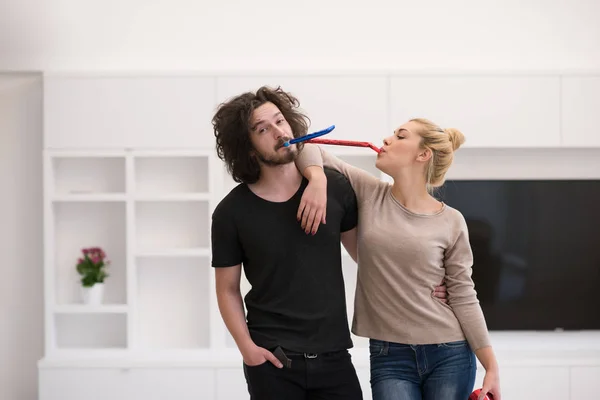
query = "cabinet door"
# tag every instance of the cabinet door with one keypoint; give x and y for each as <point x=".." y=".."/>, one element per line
<point x="231" y="384"/>
<point x="126" y="383"/>
<point x="356" y="104"/>
<point x="581" y="111"/>
<point x="172" y="383"/>
<point x="584" y="382"/>
<point x="83" y="383"/>
<point x="491" y="111"/>
<point x="124" y="112"/>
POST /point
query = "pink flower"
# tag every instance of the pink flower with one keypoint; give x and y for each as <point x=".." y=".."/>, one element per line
<point x="94" y="254"/>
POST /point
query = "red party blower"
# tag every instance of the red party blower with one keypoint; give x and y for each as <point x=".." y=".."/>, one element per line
<point x="345" y="143"/>
<point x="475" y="395"/>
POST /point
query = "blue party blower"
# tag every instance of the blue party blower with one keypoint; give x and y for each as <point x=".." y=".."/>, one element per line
<point x="308" y="137"/>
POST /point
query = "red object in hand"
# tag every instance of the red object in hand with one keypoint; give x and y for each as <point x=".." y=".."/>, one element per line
<point x="475" y="395"/>
<point x="344" y="143"/>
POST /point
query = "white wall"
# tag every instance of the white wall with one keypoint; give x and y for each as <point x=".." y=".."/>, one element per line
<point x="21" y="285"/>
<point x="273" y="34"/>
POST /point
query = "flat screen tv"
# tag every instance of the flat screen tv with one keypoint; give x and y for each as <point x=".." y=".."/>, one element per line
<point x="536" y="248"/>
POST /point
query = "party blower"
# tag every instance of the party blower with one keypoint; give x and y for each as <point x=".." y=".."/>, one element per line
<point x="477" y="392"/>
<point x="313" y="138"/>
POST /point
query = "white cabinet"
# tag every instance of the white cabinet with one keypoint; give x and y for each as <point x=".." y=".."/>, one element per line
<point x="231" y="384"/>
<point x="522" y="379"/>
<point x="182" y="383"/>
<point x="83" y="383"/>
<point x="584" y="382"/>
<point x="580" y="123"/>
<point x="491" y="111"/>
<point x="161" y="112"/>
<point x="101" y="383"/>
<point x="357" y="105"/>
<point x="128" y="111"/>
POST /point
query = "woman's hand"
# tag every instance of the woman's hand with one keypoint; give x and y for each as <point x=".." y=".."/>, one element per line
<point x="491" y="385"/>
<point x="491" y="381"/>
<point x="441" y="292"/>
<point x="313" y="205"/>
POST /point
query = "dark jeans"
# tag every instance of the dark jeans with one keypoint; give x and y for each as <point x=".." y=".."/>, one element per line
<point x="422" y="372"/>
<point x="328" y="376"/>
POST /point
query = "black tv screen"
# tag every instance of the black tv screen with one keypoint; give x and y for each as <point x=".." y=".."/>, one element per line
<point x="536" y="249"/>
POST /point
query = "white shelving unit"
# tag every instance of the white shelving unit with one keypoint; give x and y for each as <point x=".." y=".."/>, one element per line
<point x="150" y="212"/>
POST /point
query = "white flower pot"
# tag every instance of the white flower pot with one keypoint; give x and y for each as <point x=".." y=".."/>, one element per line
<point x="93" y="295"/>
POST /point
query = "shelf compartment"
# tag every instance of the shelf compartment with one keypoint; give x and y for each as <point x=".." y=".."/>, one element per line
<point x="172" y="303"/>
<point x="165" y="175"/>
<point x="88" y="175"/>
<point x="91" y="331"/>
<point x="171" y="225"/>
<point x="89" y="224"/>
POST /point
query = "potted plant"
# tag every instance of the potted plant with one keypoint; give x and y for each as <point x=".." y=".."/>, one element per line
<point x="92" y="268"/>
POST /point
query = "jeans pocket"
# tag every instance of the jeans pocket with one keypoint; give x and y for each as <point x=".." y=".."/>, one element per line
<point x="257" y="365"/>
<point x="375" y="349"/>
<point x="454" y="345"/>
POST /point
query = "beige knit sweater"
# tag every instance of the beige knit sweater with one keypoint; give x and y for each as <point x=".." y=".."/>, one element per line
<point x="402" y="257"/>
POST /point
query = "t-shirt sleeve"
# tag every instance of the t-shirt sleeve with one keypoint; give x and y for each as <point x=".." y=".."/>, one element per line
<point x="226" y="247"/>
<point x="461" y="289"/>
<point x="349" y="203"/>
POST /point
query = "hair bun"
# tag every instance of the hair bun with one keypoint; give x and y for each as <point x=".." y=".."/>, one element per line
<point x="456" y="137"/>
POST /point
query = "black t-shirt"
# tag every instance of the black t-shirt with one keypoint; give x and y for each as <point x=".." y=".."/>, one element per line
<point x="297" y="300"/>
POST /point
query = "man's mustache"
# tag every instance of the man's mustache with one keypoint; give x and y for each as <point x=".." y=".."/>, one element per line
<point x="281" y="141"/>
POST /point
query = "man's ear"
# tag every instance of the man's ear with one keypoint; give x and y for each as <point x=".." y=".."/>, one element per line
<point x="425" y="155"/>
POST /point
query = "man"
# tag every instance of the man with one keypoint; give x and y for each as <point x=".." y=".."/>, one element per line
<point x="295" y="338"/>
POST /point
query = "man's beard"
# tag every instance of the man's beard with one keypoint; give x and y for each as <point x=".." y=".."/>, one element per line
<point x="278" y="159"/>
<point x="288" y="156"/>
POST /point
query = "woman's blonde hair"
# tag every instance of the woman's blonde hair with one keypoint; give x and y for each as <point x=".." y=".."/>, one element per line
<point x="442" y="143"/>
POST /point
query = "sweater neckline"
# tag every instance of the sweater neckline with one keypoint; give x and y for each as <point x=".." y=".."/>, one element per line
<point x="415" y="214"/>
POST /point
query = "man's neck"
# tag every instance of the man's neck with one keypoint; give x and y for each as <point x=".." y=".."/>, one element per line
<point x="277" y="183"/>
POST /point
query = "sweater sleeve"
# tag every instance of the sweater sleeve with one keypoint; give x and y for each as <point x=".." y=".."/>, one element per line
<point x="364" y="184"/>
<point x="462" y="296"/>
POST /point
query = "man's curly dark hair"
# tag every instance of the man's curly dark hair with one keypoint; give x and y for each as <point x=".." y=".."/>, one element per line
<point x="231" y="125"/>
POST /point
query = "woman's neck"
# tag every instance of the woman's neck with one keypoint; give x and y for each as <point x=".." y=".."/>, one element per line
<point x="410" y="190"/>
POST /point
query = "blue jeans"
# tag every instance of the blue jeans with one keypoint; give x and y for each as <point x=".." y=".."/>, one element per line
<point x="422" y="372"/>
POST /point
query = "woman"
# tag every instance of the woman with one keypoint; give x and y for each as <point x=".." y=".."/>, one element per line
<point x="407" y="243"/>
